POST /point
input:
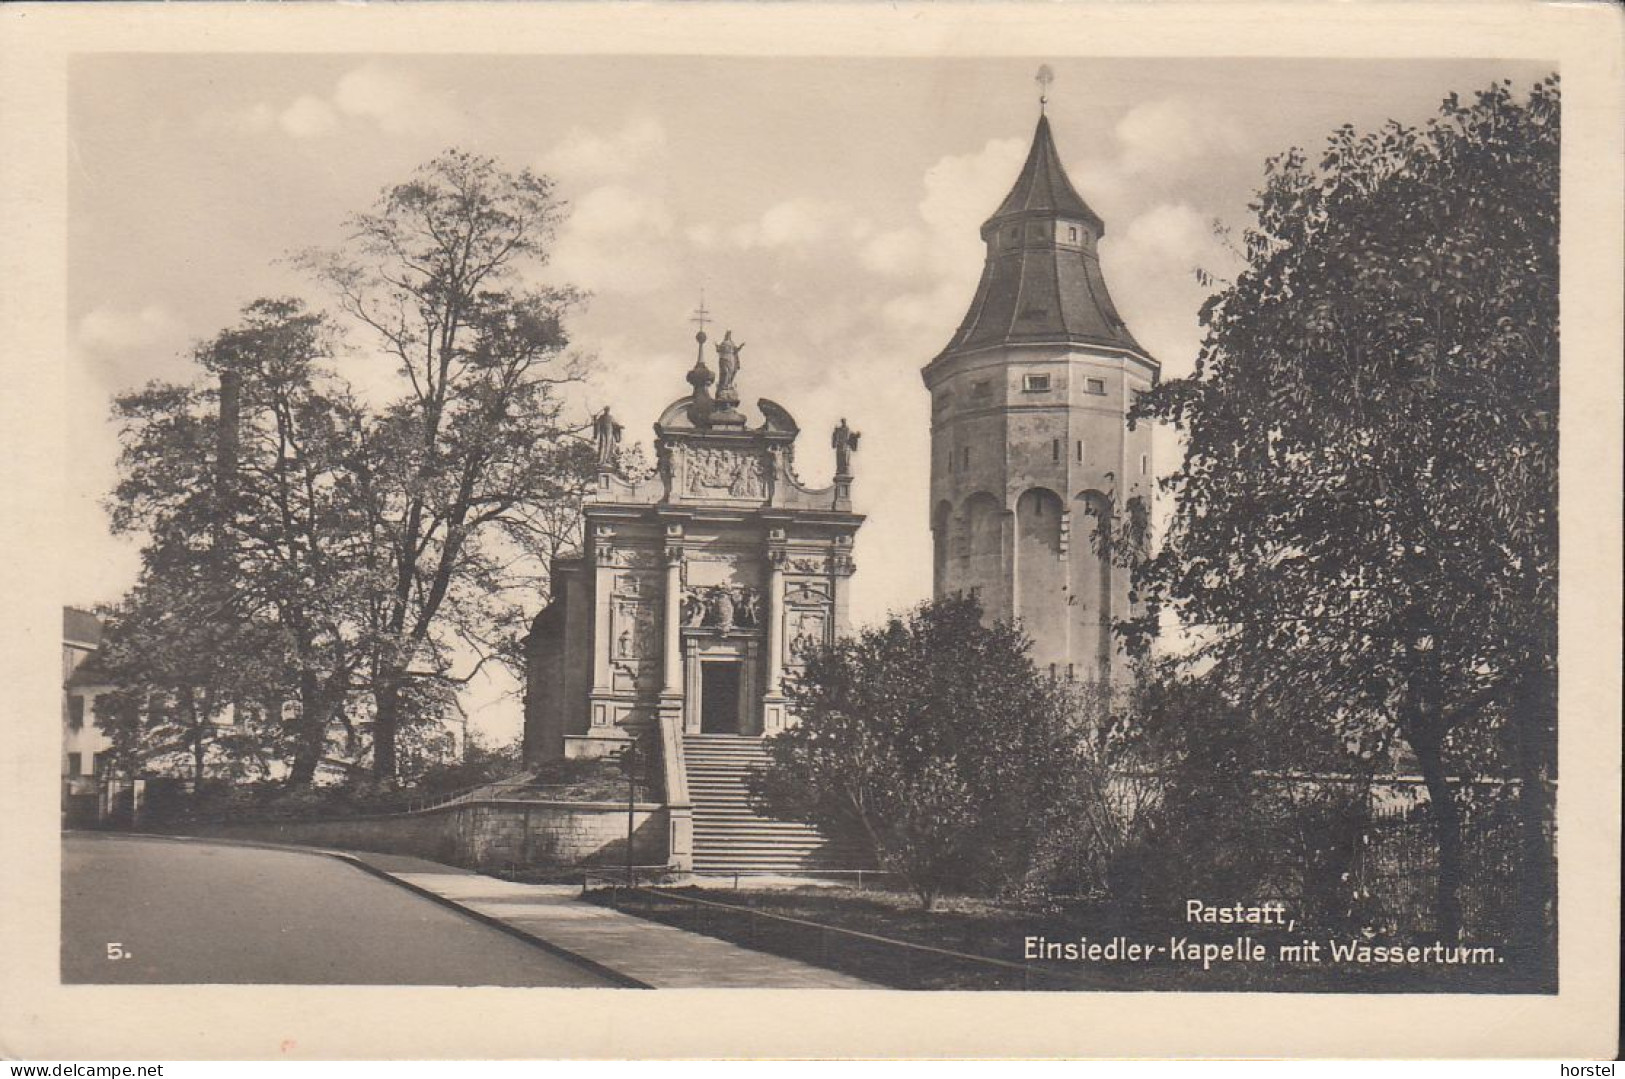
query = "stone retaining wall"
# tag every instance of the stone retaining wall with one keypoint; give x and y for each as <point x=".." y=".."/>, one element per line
<point x="480" y="835"/>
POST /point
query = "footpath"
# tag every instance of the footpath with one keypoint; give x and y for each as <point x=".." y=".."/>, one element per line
<point x="632" y="951"/>
<point x="640" y="951"/>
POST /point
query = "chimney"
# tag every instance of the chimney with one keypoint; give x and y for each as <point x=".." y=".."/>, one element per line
<point x="226" y="442"/>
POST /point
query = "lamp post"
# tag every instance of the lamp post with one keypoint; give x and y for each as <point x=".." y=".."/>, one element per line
<point x="631" y="760"/>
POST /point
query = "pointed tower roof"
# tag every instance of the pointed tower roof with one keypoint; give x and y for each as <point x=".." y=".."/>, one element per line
<point x="1041" y="283"/>
<point x="1043" y="186"/>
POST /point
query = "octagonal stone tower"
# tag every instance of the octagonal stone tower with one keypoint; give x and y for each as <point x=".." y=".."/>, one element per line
<point x="1031" y="454"/>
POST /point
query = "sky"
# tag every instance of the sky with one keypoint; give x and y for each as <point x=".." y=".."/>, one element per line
<point x="827" y="207"/>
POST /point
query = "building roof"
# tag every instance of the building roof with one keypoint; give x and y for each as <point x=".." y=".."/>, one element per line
<point x="1043" y="187"/>
<point x="1042" y="283"/>
<point x="81" y="628"/>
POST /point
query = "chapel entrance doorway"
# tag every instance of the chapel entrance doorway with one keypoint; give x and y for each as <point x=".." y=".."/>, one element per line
<point x="719" y="697"/>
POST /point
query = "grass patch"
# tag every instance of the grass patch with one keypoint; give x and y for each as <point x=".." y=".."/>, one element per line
<point x="584" y="780"/>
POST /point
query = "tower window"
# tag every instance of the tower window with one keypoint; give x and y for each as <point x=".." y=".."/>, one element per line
<point x="76" y="711"/>
<point x="1096" y="386"/>
<point x="981" y="390"/>
<point x="964" y="457"/>
<point x="1145" y="463"/>
<point x="1072" y="233"/>
<point x="1035" y="383"/>
<point x="1052" y="672"/>
<point x="1054" y="449"/>
<point x="1080" y="451"/>
<point x="1070" y="675"/>
<point x="75" y="764"/>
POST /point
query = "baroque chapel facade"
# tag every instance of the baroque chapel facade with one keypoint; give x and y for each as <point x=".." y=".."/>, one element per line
<point x="699" y="589"/>
<point x="1032" y="458"/>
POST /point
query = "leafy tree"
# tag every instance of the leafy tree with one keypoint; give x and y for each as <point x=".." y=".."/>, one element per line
<point x="471" y="463"/>
<point x="177" y="669"/>
<point x="935" y="741"/>
<point x="1365" y="522"/>
<point x="255" y="569"/>
<point x="1092" y="840"/>
<point x="1224" y="806"/>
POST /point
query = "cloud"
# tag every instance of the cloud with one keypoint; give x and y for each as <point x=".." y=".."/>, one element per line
<point x="797" y="224"/>
<point x="704" y="236"/>
<point x="962" y="190"/>
<point x="391" y="99"/>
<point x="585" y="155"/>
<point x="1157" y="147"/>
<point x="108" y="329"/>
<point x="621" y="235"/>
<point x="1150" y="263"/>
<point x="1174" y="131"/>
<point x="942" y="253"/>
<point x="895" y="253"/>
<point x="1169" y="233"/>
<point x="372" y="94"/>
<point x="308" y="117"/>
<point x="617" y="239"/>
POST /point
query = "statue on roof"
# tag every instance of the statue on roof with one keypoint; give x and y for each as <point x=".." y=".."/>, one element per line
<point x="606" y="437"/>
<point x="845" y="441"/>
<point x="728" y="369"/>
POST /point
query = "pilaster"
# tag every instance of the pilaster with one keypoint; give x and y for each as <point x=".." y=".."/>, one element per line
<point x="671" y="652"/>
<point x="773" y="715"/>
<point x="603" y="585"/>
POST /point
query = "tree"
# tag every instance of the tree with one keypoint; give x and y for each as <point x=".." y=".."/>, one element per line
<point x="255" y="570"/>
<point x="935" y="741"/>
<point x="470" y="464"/>
<point x="1227" y="805"/>
<point x="177" y="668"/>
<point x="1365" y="520"/>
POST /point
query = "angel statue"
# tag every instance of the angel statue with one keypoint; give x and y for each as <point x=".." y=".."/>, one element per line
<point x="845" y="441"/>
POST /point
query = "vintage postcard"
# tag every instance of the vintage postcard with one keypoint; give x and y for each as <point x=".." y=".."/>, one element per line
<point x="981" y="530"/>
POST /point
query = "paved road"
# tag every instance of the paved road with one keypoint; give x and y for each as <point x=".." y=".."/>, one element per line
<point x="193" y="912"/>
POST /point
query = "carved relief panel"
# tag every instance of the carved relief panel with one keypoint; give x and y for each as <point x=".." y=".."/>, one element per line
<point x="807" y="621"/>
<point x="720" y="591"/>
<point x="634" y="640"/>
<point x="720" y="472"/>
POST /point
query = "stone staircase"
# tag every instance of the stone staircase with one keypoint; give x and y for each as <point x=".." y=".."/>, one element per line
<point x="728" y="836"/>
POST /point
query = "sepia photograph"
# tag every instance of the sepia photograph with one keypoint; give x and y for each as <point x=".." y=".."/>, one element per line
<point x="1019" y="521"/>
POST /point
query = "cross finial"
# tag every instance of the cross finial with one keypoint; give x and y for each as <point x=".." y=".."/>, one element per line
<point x="1044" y="77"/>
<point x="701" y="316"/>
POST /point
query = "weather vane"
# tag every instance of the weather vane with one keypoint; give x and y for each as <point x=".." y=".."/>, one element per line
<point x="1044" y="77"/>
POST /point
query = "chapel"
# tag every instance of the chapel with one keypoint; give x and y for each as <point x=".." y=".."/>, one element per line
<point x="699" y="588"/>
